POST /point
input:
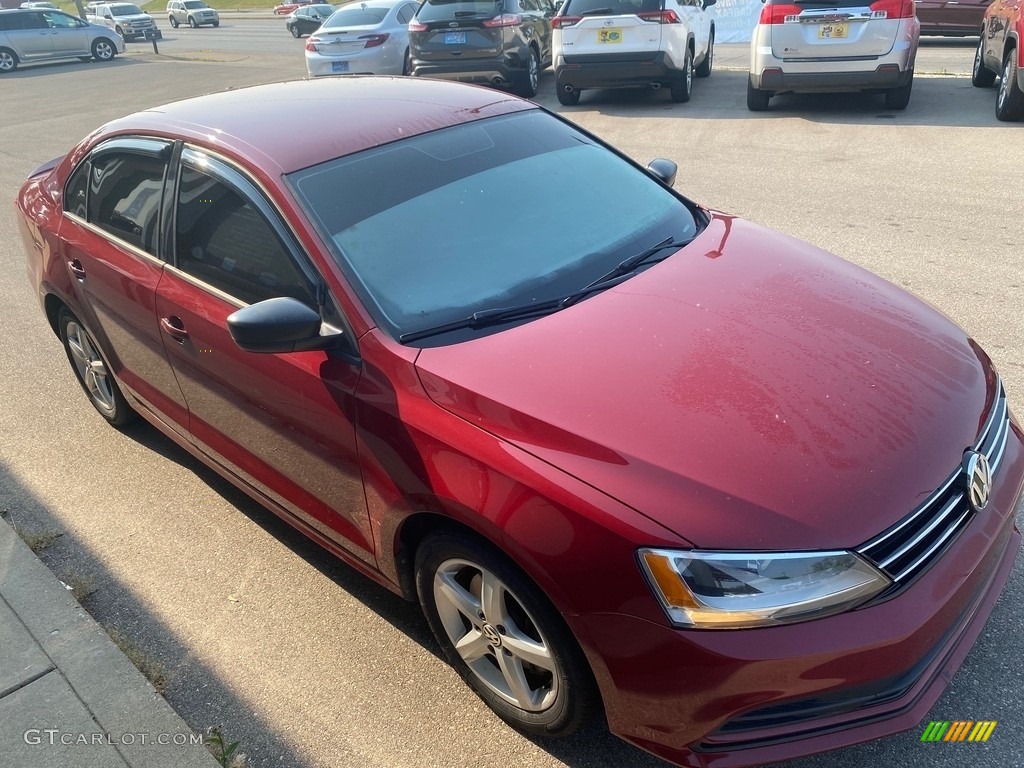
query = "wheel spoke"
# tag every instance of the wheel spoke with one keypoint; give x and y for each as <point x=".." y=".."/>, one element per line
<point x="527" y="649"/>
<point x="515" y="677"/>
<point x="459" y="598"/>
<point x="492" y="598"/>
<point x="472" y="646"/>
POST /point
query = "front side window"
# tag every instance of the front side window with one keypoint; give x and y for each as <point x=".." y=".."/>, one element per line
<point x="59" y="20"/>
<point x="223" y="239"/>
<point x="491" y="214"/>
<point x="125" y="189"/>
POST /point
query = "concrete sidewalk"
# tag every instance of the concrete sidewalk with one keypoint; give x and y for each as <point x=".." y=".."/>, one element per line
<point x="68" y="696"/>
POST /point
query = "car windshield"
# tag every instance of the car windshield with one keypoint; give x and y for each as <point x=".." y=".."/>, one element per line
<point x="356" y="17"/>
<point x="194" y="5"/>
<point x="125" y="10"/>
<point x="438" y="10"/>
<point x="494" y="213"/>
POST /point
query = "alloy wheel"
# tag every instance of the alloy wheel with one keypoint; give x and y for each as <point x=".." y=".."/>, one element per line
<point x="495" y="635"/>
<point x="7" y="61"/>
<point x="91" y="368"/>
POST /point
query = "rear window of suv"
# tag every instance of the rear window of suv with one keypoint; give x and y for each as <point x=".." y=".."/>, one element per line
<point x="439" y="10"/>
<point x="612" y="7"/>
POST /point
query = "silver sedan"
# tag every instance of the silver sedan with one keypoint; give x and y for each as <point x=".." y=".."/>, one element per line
<point x="370" y="38"/>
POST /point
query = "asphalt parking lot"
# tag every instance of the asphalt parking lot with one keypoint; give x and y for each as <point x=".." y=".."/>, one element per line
<point x="308" y="664"/>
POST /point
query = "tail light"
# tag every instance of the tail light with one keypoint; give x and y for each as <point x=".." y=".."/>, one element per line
<point x="372" y="41"/>
<point x="892" y="9"/>
<point x="777" y="14"/>
<point x="311" y="44"/>
<point x="415" y="26"/>
<point x="662" y="17"/>
<point x="565" y="21"/>
<point x="505" y="20"/>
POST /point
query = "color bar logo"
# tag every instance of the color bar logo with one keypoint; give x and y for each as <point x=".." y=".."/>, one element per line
<point x="958" y="730"/>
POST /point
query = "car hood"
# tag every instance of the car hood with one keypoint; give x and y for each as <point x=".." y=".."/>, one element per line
<point x="751" y="391"/>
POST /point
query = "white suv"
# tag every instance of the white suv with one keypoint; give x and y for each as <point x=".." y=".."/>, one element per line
<point x="631" y="43"/>
<point x="195" y="13"/>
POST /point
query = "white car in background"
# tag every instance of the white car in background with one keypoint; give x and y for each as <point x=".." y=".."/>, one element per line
<point x="631" y="43"/>
<point x="367" y="38"/>
<point x="832" y="46"/>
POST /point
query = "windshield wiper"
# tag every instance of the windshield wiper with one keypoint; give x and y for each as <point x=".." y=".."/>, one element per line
<point x="499" y="315"/>
<point x="597" y="12"/>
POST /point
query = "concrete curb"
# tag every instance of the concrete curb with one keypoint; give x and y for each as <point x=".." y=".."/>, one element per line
<point x="68" y="696"/>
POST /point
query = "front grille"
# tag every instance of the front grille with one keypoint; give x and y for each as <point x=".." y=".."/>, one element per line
<point x="908" y="548"/>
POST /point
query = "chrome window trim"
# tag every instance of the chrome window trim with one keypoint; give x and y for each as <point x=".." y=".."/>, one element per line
<point x="115" y="240"/>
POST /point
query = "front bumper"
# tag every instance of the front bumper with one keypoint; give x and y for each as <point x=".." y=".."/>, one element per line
<point x="745" y="697"/>
<point x="583" y="72"/>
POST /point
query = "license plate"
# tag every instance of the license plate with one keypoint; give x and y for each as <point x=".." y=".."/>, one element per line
<point x="339" y="66"/>
<point x="833" y="31"/>
<point x="609" y="35"/>
<point x="454" y="38"/>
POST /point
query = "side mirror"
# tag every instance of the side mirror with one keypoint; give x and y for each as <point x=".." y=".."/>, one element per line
<point x="277" y="325"/>
<point x="709" y="3"/>
<point x="663" y="170"/>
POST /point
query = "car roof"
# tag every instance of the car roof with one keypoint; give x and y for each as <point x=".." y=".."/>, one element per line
<point x="301" y="123"/>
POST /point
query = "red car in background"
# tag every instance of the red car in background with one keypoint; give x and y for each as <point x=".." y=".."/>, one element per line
<point x="1000" y="54"/>
<point x="951" y="19"/>
<point x="741" y="497"/>
<point x="286" y="8"/>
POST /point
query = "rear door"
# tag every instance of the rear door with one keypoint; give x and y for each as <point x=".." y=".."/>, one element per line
<point x="460" y="29"/>
<point x="828" y="29"/>
<point x="68" y="34"/>
<point x="112" y="210"/>
<point x="31" y="36"/>
<point x="611" y="30"/>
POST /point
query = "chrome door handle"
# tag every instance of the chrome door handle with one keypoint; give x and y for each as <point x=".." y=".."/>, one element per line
<point x="174" y="328"/>
<point x="76" y="269"/>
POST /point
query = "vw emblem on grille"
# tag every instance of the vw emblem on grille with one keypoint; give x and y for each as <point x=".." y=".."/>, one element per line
<point x="979" y="479"/>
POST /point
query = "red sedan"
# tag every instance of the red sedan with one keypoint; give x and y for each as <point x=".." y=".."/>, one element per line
<point x="630" y="455"/>
<point x="291" y="5"/>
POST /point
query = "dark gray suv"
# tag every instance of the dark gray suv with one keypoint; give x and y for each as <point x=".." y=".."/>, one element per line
<point x="504" y="43"/>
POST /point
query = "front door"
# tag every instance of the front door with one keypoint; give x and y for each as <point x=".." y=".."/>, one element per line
<point x="283" y="423"/>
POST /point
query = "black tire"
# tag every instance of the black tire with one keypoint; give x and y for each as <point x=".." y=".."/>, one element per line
<point x="704" y="70"/>
<point x="103" y="49"/>
<point x="682" y="89"/>
<point x="1010" y="98"/>
<point x="192" y="22"/>
<point x="531" y="77"/>
<point x="173" y="22"/>
<point x="568" y="98"/>
<point x="8" y="61"/>
<point x="757" y="100"/>
<point x="455" y="567"/>
<point x="294" y="29"/>
<point x="981" y="76"/>
<point x="87" y="361"/>
<point x="899" y="98"/>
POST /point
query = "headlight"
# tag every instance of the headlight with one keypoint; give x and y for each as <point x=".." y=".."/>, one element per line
<point x="728" y="590"/>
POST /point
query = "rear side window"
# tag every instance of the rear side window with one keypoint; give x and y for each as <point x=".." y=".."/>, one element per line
<point x="223" y="239"/>
<point x="74" y="193"/>
<point x="439" y="10"/>
<point x="124" y="196"/>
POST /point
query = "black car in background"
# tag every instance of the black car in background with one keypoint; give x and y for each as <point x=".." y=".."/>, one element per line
<point x="505" y="43"/>
<point x="306" y="19"/>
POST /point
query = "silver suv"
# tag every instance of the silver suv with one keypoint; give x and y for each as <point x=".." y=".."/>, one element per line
<point x="38" y="34"/>
<point x="834" y="45"/>
<point x="195" y="13"/>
